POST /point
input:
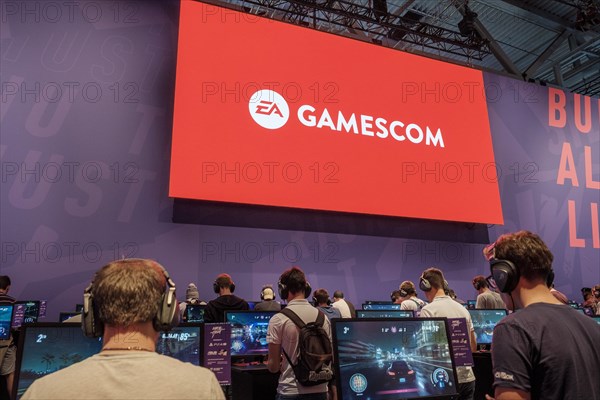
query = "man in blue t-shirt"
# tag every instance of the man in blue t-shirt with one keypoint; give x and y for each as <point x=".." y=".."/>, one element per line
<point x="546" y="350"/>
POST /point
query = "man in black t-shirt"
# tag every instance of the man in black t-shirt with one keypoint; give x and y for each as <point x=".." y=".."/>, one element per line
<point x="227" y="301"/>
<point x="546" y="350"/>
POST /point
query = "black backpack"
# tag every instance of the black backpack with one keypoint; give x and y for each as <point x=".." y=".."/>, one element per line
<point x="315" y="360"/>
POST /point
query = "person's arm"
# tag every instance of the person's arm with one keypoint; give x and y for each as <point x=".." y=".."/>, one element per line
<point x="473" y="340"/>
<point x="509" y="394"/>
<point x="274" y="360"/>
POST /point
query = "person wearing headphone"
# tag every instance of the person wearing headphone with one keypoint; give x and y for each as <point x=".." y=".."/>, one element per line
<point x="486" y="298"/>
<point x="267" y="297"/>
<point x="322" y="301"/>
<point x="546" y="350"/>
<point x="408" y="297"/>
<point x="227" y="301"/>
<point x="283" y="336"/>
<point x="432" y="282"/>
<point x="128" y="303"/>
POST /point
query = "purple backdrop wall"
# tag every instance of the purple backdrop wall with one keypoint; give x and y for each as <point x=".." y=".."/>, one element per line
<point x="85" y="138"/>
<point x="528" y="153"/>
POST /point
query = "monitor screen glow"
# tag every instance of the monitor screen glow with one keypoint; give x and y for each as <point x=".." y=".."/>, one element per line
<point x="182" y="342"/>
<point x="6" y="312"/>
<point x="387" y="306"/>
<point x="384" y="314"/>
<point x="46" y="348"/>
<point x="484" y="322"/>
<point x="249" y="332"/>
<point x="380" y="359"/>
<point x="194" y="313"/>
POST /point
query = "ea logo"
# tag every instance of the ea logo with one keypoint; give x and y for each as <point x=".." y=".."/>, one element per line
<point x="269" y="109"/>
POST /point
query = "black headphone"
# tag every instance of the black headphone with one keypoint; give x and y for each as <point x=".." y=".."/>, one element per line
<point x="477" y="284"/>
<point x="164" y="319"/>
<point x="262" y="292"/>
<point x="283" y="290"/>
<point x="316" y="302"/>
<point x="425" y="285"/>
<point x="507" y="275"/>
<point x="217" y="287"/>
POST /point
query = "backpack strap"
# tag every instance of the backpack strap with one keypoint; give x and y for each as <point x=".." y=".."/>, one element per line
<point x="417" y="303"/>
<point x="300" y="324"/>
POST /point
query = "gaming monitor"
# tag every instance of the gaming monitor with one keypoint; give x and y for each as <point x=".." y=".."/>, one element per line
<point x="194" y="312"/>
<point x="381" y="359"/>
<point x="387" y="306"/>
<point x="249" y="332"/>
<point x="25" y="312"/>
<point x="78" y="307"/>
<point x="384" y="314"/>
<point x="378" y="302"/>
<point x="183" y="342"/>
<point x="48" y="347"/>
<point x="6" y="312"/>
<point x="484" y="321"/>
<point x="64" y="315"/>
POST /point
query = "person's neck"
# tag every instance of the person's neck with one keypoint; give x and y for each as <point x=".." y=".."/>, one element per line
<point x="295" y="296"/>
<point x="529" y="293"/>
<point x="438" y="293"/>
<point x="483" y="290"/>
<point x="140" y="336"/>
<point x="225" y="292"/>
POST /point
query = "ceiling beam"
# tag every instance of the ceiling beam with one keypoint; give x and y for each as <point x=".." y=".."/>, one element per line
<point x="547" y="19"/>
<point x="495" y="48"/>
<point x="530" y="71"/>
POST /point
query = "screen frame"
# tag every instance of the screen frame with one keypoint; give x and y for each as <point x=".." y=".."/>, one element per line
<point x="247" y="355"/>
<point x="200" y="338"/>
<point x="187" y="307"/>
<point x="336" y="322"/>
<point x="380" y="307"/>
<point x="477" y="310"/>
<point x="12" y="311"/>
<point x="23" y="335"/>
<point x="412" y="313"/>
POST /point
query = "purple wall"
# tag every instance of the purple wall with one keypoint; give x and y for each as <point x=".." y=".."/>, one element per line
<point x="85" y="140"/>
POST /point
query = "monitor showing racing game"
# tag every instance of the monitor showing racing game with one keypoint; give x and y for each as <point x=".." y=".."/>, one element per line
<point x="6" y="312"/>
<point x="48" y="347"/>
<point x="384" y="314"/>
<point x="182" y="342"/>
<point x="194" y="312"/>
<point x="386" y="306"/>
<point x="25" y="312"/>
<point x="484" y="322"/>
<point x="385" y="359"/>
<point x="249" y="332"/>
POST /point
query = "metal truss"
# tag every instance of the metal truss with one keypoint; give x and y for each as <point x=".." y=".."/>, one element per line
<point x="379" y="25"/>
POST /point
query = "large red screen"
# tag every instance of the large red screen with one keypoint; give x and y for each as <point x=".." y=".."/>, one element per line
<point x="275" y="114"/>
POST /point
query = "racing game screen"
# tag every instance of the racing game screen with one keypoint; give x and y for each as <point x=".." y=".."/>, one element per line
<point x="47" y="348"/>
<point x="194" y="313"/>
<point x="182" y="343"/>
<point x="393" y="359"/>
<point x="384" y="314"/>
<point x="484" y="322"/>
<point x="388" y="306"/>
<point x="249" y="332"/>
<point x="6" y="311"/>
